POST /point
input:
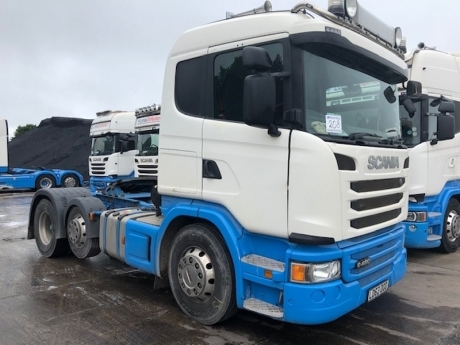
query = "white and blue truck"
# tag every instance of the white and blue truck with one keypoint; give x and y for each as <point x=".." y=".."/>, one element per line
<point x="113" y="146"/>
<point x="283" y="180"/>
<point x="25" y="178"/>
<point x="432" y="132"/>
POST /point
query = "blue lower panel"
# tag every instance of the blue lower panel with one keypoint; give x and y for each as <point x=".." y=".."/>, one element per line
<point x="321" y="303"/>
<point x="140" y="245"/>
<point x="418" y="236"/>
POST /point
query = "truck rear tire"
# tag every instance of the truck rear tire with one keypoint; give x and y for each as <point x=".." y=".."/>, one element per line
<point x="81" y="246"/>
<point x="70" y="180"/>
<point x="45" y="182"/>
<point x="201" y="274"/>
<point x="451" y="228"/>
<point x="44" y="223"/>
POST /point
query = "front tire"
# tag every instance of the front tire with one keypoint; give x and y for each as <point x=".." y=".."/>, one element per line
<point x="201" y="274"/>
<point x="81" y="246"/>
<point x="69" y="181"/>
<point x="44" y="225"/>
<point x="451" y="228"/>
<point x="45" y="182"/>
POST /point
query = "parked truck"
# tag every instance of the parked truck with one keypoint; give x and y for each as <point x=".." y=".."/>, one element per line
<point x="24" y="178"/>
<point x="283" y="180"/>
<point x="147" y="129"/>
<point x="113" y="146"/>
<point x="432" y="132"/>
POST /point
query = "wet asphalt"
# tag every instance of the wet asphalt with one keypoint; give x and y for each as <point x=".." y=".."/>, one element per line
<point x="102" y="301"/>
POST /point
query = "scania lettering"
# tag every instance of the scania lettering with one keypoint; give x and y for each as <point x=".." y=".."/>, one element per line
<point x="113" y="146"/>
<point x="379" y="162"/>
<point x="433" y="136"/>
<point x="24" y="178"/>
<point x="268" y="120"/>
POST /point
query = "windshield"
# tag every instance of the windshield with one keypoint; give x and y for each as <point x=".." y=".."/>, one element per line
<point x="147" y="144"/>
<point x="103" y="146"/>
<point x="343" y="103"/>
<point x="411" y="128"/>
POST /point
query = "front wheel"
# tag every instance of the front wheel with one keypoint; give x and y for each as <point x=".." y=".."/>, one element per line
<point x="201" y="274"/>
<point x="45" y="182"/>
<point x="44" y="227"/>
<point x="451" y="228"/>
<point x="81" y="246"/>
<point x="70" y="180"/>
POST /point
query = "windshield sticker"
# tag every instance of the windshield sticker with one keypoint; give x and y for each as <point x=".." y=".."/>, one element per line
<point x="334" y="124"/>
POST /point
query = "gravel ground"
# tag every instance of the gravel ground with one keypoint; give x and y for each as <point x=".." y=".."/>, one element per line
<point x="57" y="143"/>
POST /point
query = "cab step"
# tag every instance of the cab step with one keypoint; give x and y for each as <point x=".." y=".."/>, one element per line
<point x="264" y="308"/>
<point x="432" y="238"/>
<point x="263" y="262"/>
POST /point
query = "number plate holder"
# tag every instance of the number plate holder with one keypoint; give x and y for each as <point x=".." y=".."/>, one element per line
<point x="376" y="291"/>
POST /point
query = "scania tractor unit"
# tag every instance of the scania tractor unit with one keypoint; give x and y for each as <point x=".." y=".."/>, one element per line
<point x="147" y="129"/>
<point x="432" y="132"/>
<point x="283" y="181"/>
<point x="25" y="178"/>
<point x="113" y="146"/>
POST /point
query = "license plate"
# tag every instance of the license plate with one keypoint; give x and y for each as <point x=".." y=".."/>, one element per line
<point x="378" y="290"/>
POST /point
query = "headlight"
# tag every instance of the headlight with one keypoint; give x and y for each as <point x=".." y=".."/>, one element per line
<point x="315" y="273"/>
<point x="416" y="217"/>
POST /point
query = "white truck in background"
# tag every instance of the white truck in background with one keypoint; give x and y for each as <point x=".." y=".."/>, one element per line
<point x="283" y="181"/>
<point x="434" y="140"/>
<point x="147" y="129"/>
<point x="113" y="147"/>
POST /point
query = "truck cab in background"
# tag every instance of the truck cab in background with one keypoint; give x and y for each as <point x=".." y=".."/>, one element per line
<point x="432" y="132"/>
<point x="113" y="146"/>
<point x="147" y="129"/>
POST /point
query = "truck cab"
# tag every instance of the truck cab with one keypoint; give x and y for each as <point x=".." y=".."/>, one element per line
<point x="432" y="132"/>
<point x="113" y="146"/>
<point x="147" y="129"/>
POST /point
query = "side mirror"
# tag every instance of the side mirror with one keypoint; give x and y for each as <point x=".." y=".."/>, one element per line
<point x="446" y="107"/>
<point x="410" y="107"/>
<point x="446" y="127"/>
<point x="414" y="88"/>
<point x="259" y="95"/>
<point x="124" y="146"/>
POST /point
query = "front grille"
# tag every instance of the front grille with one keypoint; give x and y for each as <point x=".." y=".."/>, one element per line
<point x="380" y="201"/>
<point x="97" y="169"/>
<point x="381" y="252"/>
<point x="374" y="219"/>
<point x="375" y="185"/>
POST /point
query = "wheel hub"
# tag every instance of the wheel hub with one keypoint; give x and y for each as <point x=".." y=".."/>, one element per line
<point x="453" y="226"/>
<point x="76" y="231"/>
<point x="45" y="228"/>
<point x="46" y="183"/>
<point x="70" y="182"/>
<point x="196" y="274"/>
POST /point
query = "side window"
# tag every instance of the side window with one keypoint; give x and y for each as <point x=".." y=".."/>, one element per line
<point x="190" y="77"/>
<point x="229" y="74"/>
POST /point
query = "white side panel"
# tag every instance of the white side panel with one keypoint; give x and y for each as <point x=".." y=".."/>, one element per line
<point x="442" y="161"/>
<point x="253" y="166"/>
<point x="126" y="162"/>
<point x="181" y="141"/>
<point x="418" y="169"/>
<point x="3" y="145"/>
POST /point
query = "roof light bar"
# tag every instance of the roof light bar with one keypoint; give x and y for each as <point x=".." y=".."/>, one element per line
<point x="150" y="110"/>
<point x="355" y="17"/>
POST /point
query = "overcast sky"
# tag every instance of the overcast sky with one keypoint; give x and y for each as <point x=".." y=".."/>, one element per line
<point x="73" y="58"/>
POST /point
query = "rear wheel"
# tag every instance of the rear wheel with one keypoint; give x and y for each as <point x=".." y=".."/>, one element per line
<point x="70" y="180"/>
<point x="451" y="228"/>
<point x="44" y="227"/>
<point x="45" y="182"/>
<point x="81" y="246"/>
<point x="201" y="274"/>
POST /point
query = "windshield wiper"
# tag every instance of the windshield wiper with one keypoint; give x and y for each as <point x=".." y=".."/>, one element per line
<point x="364" y="135"/>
